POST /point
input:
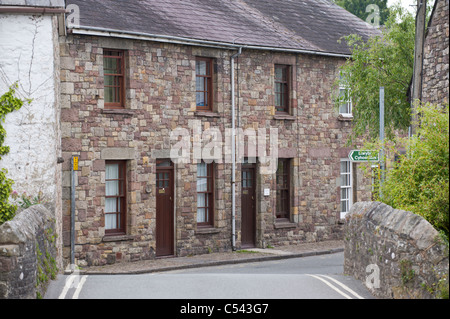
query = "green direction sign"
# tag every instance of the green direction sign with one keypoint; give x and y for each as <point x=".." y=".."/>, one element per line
<point x="363" y="156"/>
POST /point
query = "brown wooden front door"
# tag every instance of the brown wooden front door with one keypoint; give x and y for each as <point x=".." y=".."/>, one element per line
<point x="164" y="208"/>
<point x="248" y="206"/>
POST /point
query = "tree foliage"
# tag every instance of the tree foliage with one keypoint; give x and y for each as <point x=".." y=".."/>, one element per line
<point x="385" y="60"/>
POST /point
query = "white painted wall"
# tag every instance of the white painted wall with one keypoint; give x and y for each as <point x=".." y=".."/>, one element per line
<point x="28" y="46"/>
<point x="29" y="54"/>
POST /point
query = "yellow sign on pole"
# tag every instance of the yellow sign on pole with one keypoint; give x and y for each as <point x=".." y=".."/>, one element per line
<point x="75" y="163"/>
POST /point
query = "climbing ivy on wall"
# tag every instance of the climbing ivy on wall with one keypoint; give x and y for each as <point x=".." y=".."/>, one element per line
<point x="8" y="103"/>
<point x="46" y="263"/>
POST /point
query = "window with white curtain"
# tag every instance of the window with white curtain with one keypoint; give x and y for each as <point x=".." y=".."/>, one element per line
<point x="346" y="186"/>
<point x="205" y="182"/>
<point x="115" y="182"/>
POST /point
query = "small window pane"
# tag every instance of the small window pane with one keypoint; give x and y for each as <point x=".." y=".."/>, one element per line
<point x="343" y="206"/>
<point x="110" y="221"/>
<point x="200" y="84"/>
<point x="112" y="188"/>
<point x="343" y="193"/>
<point x="110" y="205"/>
<point x="201" y="169"/>
<point x="110" y="65"/>
<point x="345" y="106"/>
<point x="201" y="68"/>
<point x="344" y="180"/>
<point x="201" y="200"/>
<point x="202" y="185"/>
<point x="200" y="99"/>
<point x="112" y="171"/>
<point x="280" y="73"/>
<point x="109" y="80"/>
<point x="201" y="218"/>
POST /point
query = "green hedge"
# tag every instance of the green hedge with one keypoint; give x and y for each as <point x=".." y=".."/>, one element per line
<point x="418" y="181"/>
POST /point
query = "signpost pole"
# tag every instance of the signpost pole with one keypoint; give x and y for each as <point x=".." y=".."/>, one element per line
<point x="381" y="135"/>
<point x="74" y="168"/>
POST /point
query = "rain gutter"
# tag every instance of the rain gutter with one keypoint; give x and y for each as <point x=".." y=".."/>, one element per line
<point x="34" y="10"/>
<point x="233" y="151"/>
<point x="104" y="32"/>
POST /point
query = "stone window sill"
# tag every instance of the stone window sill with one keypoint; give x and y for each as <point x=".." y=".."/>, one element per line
<point x="126" y="112"/>
<point x="110" y="238"/>
<point x="207" y="230"/>
<point x="206" y="114"/>
<point x="345" y="118"/>
<point x="284" y="225"/>
<point x="285" y="117"/>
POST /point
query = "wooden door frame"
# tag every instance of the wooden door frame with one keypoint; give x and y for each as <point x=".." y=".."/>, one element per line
<point x="254" y="168"/>
<point x="170" y="168"/>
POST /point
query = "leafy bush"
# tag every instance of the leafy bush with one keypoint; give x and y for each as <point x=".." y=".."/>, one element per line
<point x="418" y="181"/>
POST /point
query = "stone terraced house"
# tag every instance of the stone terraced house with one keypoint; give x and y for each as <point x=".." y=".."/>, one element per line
<point x="150" y="93"/>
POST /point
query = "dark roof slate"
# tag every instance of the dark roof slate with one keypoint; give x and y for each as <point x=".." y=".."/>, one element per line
<point x="313" y="25"/>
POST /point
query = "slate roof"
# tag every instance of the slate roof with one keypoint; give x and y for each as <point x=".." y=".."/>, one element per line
<point x="310" y="25"/>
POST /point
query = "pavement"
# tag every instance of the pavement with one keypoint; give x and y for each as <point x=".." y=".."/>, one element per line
<point x="215" y="259"/>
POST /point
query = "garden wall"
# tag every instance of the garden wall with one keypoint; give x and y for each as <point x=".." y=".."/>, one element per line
<point x="27" y="254"/>
<point x="397" y="254"/>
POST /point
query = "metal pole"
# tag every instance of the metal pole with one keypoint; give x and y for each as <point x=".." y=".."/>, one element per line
<point x="72" y="216"/>
<point x="381" y="136"/>
<point x="233" y="154"/>
<point x="417" y="78"/>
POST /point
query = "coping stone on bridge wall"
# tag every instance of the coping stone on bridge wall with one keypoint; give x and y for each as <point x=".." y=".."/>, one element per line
<point x="28" y="234"/>
<point x="392" y="239"/>
<point x="23" y="226"/>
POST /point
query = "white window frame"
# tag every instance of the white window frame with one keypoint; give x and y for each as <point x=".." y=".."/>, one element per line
<point x="348" y="187"/>
<point x="347" y="102"/>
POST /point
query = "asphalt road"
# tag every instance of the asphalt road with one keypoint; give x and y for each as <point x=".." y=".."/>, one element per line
<point x="314" y="277"/>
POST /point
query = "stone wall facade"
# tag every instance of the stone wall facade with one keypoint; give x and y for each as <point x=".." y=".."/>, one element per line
<point x="436" y="56"/>
<point x="28" y="254"/>
<point x="160" y="97"/>
<point x="397" y="254"/>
